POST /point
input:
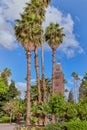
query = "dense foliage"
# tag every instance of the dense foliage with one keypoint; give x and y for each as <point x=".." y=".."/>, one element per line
<point x="8" y="96"/>
<point x="73" y="125"/>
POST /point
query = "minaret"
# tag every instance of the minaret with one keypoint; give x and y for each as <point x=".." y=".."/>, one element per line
<point x="58" y="80"/>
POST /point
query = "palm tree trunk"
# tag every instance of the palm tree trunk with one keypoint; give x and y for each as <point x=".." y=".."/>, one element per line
<point x="28" y="55"/>
<point x="37" y="75"/>
<point x="43" y="76"/>
<point x="53" y="69"/>
<point x="10" y="117"/>
<point x="38" y="81"/>
<point x="43" y="81"/>
<point x="74" y="89"/>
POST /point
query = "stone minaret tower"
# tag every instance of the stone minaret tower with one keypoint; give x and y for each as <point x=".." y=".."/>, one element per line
<point x="58" y="80"/>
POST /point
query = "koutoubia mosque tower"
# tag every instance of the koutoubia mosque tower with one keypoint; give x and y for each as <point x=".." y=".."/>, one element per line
<point x="58" y="79"/>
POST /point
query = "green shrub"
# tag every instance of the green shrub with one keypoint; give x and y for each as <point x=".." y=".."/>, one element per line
<point x="5" y="119"/>
<point x="38" y="128"/>
<point x="73" y="125"/>
<point x="22" y="128"/>
<point x="77" y="125"/>
<point x="33" y="119"/>
<point x="27" y="128"/>
<point x="55" y="126"/>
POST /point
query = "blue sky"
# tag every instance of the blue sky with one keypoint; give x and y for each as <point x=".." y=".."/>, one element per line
<point x="71" y="14"/>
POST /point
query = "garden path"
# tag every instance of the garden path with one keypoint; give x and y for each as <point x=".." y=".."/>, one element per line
<point x="7" y="126"/>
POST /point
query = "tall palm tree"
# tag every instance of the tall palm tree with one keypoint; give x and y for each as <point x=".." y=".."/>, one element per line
<point x="45" y="4"/>
<point x="37" y="42"/>
<point x="39" y="18"/>
<point x="37" y="37"/>
<point x="76" y="78"/>
<point x="24" y="36"/>
<point x="54" y="36"/>
<point x="28" y="31"/>
<point x="40" y="13"/>
<point x="34" y="17"/>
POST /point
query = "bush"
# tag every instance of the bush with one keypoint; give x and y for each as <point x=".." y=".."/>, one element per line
<point x="37" y="128"/>
<point x="27" y="128"/>
<point x="77" y="125"/>
<point x="5" y="119"/>
<point x="73" y="125"/>
<point x="56" y="126"/>
<point x="33" y="119"/>
<point x="22" y="128"/>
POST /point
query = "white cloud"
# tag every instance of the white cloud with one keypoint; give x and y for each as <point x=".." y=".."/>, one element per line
<point x="8" y="39"/>
<point x="15" y="7"/>
<point x="70" y="45"/>
<point x="10" y="10"/>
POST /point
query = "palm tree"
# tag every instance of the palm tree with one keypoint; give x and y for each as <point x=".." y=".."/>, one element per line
<point x="24" y="36"/>
<point x="28" y="31"/>
<point x="45" y="4"/>
<point x="39" y="30"/>
<point x="35" y="17"/>
<point x="37" y="34"/>
<point x="39" y="41"/>
<point x="38" y="13"/>
<point x="39" y="18"/>
<point x="54" y="36"/>
<point x="76" y="78"/>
